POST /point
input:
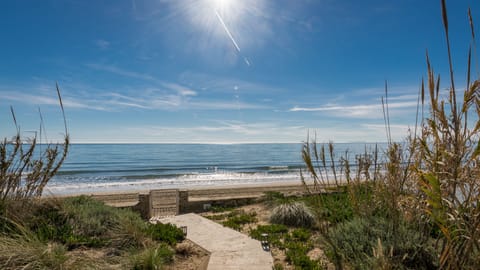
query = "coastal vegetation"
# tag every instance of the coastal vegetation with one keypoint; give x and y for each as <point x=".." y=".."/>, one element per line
<point x="75" y="232"/>
<point x="82" y="233"/>
<point x="412" y="206"/>
<point x="25" y="168"/>
<point x="418" y="209"/>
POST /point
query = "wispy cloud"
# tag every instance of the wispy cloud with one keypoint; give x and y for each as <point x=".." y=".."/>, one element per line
<point x="225" y="105"/>
<point x="180" y="89"/>
<point x="366" y="110"/>
<point x="168" y="96"/>
<point x="120" y="71"/>
<point x="68" y="102"/>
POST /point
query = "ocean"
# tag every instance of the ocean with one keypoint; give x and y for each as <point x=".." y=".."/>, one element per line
<point x="119" y="167"/>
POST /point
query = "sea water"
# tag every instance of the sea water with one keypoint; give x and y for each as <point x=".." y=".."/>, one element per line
<point x="120" y="167"/>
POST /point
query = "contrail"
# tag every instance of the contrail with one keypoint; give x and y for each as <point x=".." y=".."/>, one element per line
<point x="231" y="38"/>
<point x="228" y="31"/>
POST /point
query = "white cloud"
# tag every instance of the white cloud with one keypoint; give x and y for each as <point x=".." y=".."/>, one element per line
<point x="120" y="71"/>
<point x="357" y="111"/>
<point x="180" y="89"/>
<point x="68" y="102"/>
<point x="224" y="105"/>
<point x="160" y="95"/>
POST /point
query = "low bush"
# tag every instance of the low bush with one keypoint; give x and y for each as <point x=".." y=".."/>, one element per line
<point x="89" y="217"/>
<point x="167" y="233"/>
<point x="357" y="239"/>
<point x="236" y="219"/>
<point x="275" y="232"/>
<point x="278" y="266"/>
<point x="336" y="207"/>
<point x="273" y="229"/>
<point x="301" y="235"/>
<point x="131" y="230"/>
<point x="80" y="221"/>
<point x="220" y="209"/>
<point x="217" y="217"/>
<point x="47" y="221"/>
<point x="298" y="258"/>
<point x="95" y="224"/>
<point x="292" y="214"/>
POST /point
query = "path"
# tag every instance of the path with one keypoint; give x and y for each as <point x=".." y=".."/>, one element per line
<point x="230" y="250"/>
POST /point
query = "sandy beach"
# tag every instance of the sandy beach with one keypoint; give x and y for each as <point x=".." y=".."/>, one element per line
<point x="200" y="193"/>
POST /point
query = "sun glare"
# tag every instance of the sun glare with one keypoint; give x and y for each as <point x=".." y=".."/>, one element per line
<point x="223" y="5"/>
<point x="230" y="27"/>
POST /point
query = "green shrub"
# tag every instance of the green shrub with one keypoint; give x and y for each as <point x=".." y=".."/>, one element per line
<point x="167" y="233"/>
<point x="131" y="230"/>
<point x="301" y="235"/>
<point x="220" y="209"/>
<point x="217" y="217"/>
<point x="356" y="240"/>
<point x="275" y="232"/>
<point x="297" y="255"/>
<point x="232" y="224"/>
<point x="292" y="214"/>
<point x="236" y="219"/>
<point x="83" y="221"/>
<point x="90" y="217"/>
<point x="48" y="222"/>
<point x="278" y="266"/>
<point x="273" y="229"/>
<point x="93" y="223"/>
<point x="153" y="258"/>
<point x="336" y="208"/>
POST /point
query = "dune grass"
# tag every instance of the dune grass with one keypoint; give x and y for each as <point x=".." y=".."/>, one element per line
<point x="24" y="168"/>
<point x="294" y="214"/>
<point x="430" y="182"/>
<point x="53" y="233"/>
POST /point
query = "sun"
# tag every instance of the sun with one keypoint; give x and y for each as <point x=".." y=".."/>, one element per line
<point x="228" y="26"/>
<point x="223" y="5"/>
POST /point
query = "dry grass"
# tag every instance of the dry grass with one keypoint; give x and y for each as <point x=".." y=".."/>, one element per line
<point x="432" y="179"/>
<point x="446" y="164"/>
<point x="292" y="214"/>
<point x="29" y="253"/>
<point x="24" y="169"/>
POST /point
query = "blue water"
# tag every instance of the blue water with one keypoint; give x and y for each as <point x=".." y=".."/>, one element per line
<point x="113" y="167"/>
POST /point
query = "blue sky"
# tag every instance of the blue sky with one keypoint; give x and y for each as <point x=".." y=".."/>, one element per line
<point x="222" y="71"/>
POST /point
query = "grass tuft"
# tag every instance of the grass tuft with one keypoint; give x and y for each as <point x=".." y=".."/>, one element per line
<point x="293" y="214"/>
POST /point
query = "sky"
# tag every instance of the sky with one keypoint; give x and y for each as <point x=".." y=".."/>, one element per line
<point x="223" y="71"/>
